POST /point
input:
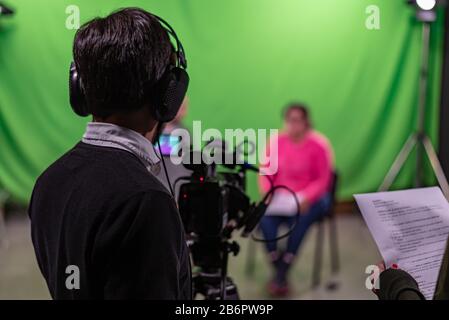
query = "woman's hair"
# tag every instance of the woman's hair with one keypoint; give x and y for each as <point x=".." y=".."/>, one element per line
<point x="297" y="107"/>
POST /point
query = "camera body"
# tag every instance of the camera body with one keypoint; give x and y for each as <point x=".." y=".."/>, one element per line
<point x="212" y="205"/>
<point x="211" y="208"/>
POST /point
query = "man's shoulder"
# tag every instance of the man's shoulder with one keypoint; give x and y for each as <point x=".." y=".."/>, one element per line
<point x="54" y="169"/>
<point x="111" y="170"/>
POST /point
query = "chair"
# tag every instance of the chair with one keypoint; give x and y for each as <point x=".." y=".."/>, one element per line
<point x="335" y="262"/>
<point x="333" y="243"/>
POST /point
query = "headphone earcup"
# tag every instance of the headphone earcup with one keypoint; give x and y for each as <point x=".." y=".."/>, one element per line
<point x="169" y="94"/>
<point x="77" y="98"/>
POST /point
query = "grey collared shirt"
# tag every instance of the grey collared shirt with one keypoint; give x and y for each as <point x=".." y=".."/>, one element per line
<point x="113" y="136"/>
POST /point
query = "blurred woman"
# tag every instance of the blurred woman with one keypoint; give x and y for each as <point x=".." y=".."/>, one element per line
<point x="305" y="165"/>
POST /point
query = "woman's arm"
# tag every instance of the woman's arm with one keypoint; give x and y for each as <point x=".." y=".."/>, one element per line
<point x="323" y="167"/>
<point x="266" y="181"/>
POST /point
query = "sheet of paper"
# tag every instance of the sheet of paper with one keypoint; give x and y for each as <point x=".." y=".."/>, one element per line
<point x="410" y="228"/>
<point x="282" y="204"/>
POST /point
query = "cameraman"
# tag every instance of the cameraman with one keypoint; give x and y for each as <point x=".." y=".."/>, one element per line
<point x="103" y="227"/>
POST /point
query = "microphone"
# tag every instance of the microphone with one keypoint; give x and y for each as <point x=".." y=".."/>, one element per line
<point x="244" y="166"/>
<point x="220" y="145"/>
<point x="250" y="167"/>
<point x="253" y="218"/>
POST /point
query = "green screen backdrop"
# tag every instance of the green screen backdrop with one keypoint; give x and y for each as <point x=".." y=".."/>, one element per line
<point x="247" y="60"/>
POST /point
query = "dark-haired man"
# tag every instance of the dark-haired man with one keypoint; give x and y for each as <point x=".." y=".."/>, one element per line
<point x="103" y="227"/>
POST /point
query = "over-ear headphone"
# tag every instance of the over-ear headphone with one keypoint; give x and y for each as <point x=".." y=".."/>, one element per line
<point x="167" y="94"/>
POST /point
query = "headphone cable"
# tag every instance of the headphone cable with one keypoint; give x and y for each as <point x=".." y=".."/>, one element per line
<point x="165" y="169"/>
<point x="269" y="196"/>
<point x="157" y="140"/>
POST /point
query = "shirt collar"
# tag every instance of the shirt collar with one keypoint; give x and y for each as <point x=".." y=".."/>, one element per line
<point x="111" y="135"/>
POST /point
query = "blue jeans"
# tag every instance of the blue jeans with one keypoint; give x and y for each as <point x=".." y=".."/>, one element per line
<point x="270" y="225"/>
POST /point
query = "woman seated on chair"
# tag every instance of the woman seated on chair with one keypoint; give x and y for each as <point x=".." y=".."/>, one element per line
<point x="305" y="165"/>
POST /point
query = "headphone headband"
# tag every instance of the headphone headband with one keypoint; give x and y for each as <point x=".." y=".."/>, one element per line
<point x="180" y="53"/>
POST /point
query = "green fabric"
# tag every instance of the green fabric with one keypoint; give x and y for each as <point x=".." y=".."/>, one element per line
<point x="247" y="60"/>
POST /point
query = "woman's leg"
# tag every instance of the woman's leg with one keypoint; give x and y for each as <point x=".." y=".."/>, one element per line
<point x="269" y="226"/>
<point x="316" y="211"/>
<point x="294" y="241"/>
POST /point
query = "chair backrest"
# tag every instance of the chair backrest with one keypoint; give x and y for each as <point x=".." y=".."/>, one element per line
<point x="333" y="191"/>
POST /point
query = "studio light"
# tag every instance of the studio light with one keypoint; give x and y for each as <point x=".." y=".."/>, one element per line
<point x="5" y="10"/>
<point x="426" y="10"/>
<point x="426" y="4"/>
<point x="426" y="14"/>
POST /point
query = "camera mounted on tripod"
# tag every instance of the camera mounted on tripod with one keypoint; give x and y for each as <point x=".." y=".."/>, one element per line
<point x="213" y="205"/>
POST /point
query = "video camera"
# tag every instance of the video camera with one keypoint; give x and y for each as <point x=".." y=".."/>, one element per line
<point x="212" y="205"/>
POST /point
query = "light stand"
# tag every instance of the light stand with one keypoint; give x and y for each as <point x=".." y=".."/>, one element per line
<point x="419" y="138"/>
<point x="4" y="11"/>
<point x="3" y="239"/>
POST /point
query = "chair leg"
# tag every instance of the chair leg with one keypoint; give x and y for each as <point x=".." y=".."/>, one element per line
<point x="317" y="265"/>
<point x="250" y="259"/>
<point x="335" y="259"/>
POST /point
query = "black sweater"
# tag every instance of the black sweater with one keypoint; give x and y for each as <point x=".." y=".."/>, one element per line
<point x="100" y="210"/>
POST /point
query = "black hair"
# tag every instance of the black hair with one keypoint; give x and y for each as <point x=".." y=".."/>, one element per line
<point x="295" y="106"/>
<point x="119" y="58"/>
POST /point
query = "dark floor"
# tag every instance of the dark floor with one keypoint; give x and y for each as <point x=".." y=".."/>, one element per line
<point x="20" y="277"/>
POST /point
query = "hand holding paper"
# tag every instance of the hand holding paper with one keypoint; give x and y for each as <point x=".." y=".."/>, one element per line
<point x="410" y="228"/>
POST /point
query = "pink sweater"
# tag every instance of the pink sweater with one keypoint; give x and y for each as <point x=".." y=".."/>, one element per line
<point x="305" y="167"/>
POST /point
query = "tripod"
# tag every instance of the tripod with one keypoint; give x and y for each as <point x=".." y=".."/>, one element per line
<point x="419" y="138"/>
<point x="213" y="282"/>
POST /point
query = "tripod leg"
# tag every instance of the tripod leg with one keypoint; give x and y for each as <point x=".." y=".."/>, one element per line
<point x="317" y="264"/>
<point x="419" y="166"/>
<point x="398" y="163"/>
<point x="3" y="239"/>
<point x="2" y="228"/>
<point x="438" y="170"/>
<point x="335" y="262"/>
